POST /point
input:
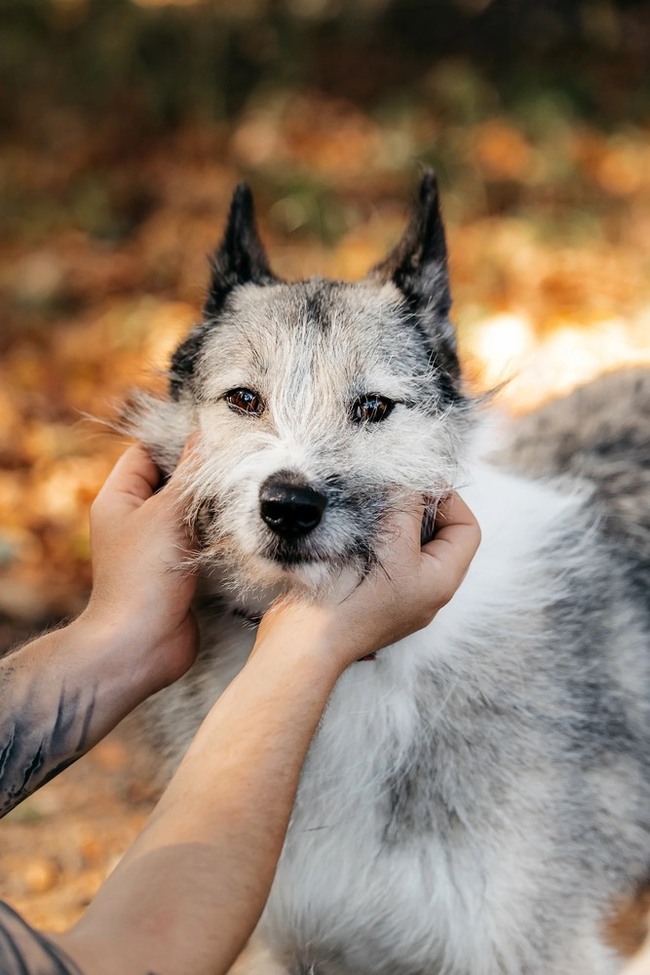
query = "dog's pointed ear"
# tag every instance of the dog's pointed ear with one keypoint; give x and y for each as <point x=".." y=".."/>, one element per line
<point x="417" y="267"/>
<point x="240" y="257"/>
<point x="418" y="264"/>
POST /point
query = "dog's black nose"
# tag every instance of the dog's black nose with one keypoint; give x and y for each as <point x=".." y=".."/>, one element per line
<point x="290" y="509"/>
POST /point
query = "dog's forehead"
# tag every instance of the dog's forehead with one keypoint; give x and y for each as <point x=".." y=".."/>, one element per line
<point x="314" y="312"/>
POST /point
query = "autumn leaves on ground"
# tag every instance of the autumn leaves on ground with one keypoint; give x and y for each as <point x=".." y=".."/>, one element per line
<point x="107" y="226"/>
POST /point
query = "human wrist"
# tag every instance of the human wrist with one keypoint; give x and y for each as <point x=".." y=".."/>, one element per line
<point x="119" y="657"/>
<point x="301" y="638"/>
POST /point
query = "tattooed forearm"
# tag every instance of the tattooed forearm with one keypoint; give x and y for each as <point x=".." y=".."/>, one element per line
<point x="24" y="951"/>
<point x="43" y="729"/>
<point x="59" y="696"/>
<point x="48" y="711"/>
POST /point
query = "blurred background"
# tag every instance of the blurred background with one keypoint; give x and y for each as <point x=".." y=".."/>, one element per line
<point x="125" y="127"/>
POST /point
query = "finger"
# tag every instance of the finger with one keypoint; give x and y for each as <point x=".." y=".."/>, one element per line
<point x="190" y="446"/>
<point x="178" y="486"/>
<point x="171" y="502"/>
<point x="187" y="463"/>
<point x="132" y="481"/>
<point x="455" y="543"/>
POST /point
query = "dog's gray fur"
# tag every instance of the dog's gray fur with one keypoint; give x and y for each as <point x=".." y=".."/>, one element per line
<point x="477" y="799"/>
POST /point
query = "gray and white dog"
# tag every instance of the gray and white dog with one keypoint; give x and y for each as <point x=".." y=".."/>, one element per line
<point x="477" y="799"/>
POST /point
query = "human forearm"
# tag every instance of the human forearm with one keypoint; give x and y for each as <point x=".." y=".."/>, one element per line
<point x="219" y="828"/>
<point x="59" y="695"/>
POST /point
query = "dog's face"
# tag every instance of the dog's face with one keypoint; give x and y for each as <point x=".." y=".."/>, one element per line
<point x="319" y="405"/>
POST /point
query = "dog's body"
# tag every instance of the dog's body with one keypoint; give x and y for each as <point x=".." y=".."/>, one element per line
<point x="477" y="798"/>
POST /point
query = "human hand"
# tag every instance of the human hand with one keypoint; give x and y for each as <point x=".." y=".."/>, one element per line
<point x="141" y="591"/>
<point x="402" y="594"/>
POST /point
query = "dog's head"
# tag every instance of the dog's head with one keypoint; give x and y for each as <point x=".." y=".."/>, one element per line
<point x="319" y="404"/>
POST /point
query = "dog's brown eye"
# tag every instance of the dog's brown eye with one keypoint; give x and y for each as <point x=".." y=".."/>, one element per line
<point x="245" y="401"/>
<point x="371" y="408"/>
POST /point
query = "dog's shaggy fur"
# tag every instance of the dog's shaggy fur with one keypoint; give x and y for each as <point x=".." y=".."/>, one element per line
<point x="477" y="799"/>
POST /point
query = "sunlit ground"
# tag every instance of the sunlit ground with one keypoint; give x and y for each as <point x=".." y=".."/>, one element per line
<point x="537" y="369"/>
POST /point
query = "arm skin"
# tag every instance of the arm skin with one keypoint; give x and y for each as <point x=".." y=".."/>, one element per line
<point x="187" y="895"/>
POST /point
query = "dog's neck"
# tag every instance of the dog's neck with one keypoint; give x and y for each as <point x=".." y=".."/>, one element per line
<point x="217" y="595"/>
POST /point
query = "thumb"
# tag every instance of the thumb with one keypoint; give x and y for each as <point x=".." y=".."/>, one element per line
<point x="448" y="557"/>
<point x="132" y="481"/>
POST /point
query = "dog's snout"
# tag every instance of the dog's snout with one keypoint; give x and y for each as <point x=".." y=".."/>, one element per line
<point x="290" y="509"/>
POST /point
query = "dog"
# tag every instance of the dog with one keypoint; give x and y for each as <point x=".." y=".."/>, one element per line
<point x="477" y="798"/>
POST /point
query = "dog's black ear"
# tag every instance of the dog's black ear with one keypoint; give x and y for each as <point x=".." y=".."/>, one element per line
<point x="184" y="360"/>
<point x="240" y="257"/>
<point x="417" y="266"/>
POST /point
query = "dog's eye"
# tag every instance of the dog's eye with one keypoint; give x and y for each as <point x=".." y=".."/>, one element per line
<point x="371" y="408"/>
<point x="244" y="401"/>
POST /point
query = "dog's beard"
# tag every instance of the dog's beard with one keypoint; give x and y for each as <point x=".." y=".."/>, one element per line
<point x="278" y="565"/>
<point x="250" y="558"/>
<point x="237" y="550"/>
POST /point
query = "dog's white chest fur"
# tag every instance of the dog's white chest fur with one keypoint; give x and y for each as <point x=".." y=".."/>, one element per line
<point x="371" y="872"/>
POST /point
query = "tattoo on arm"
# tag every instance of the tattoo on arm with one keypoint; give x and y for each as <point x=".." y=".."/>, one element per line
<point x="24" y="951"/>
<point x="33" y="748"/>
